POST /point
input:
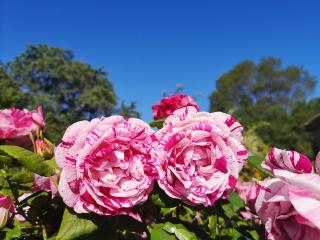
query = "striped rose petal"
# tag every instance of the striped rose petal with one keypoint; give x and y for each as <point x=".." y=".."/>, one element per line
<point x="287" y="160"/>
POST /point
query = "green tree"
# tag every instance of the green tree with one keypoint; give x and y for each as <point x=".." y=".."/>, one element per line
<point x="128" y="111"/>
<point x="271" y="97"/>
<point x="11" y="95"/>
<point x="69" y="90"/>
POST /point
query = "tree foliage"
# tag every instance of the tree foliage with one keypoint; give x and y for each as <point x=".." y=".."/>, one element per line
<point x="69" y="90"/>
<point x="11" y="95"/>
<point x="128" y="111"/>
<point x="271" y="96"/>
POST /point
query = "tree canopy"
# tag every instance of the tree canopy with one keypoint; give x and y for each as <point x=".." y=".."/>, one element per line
<point x="271" y="98"/>
<point x="68" y="90"/>
<point x="11" y="95"/>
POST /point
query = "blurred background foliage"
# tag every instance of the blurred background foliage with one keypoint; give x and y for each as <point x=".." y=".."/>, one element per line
<point x="272" y="101"/>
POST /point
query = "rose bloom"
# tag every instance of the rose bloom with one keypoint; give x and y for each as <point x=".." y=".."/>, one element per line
<point x="248" y="192"/>
<point x="106" y="165"/>
<point x="200" y="155"/>
<point x="168" y="105"/>
<point x="289" y="206"/>
<point x="6" y="209"/>
<point x="287" y="160"/>
<point x="16" y="123"/>
<point x="42" y="183"/>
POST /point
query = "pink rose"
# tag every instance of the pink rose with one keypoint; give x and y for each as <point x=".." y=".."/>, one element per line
<point x="45" y="184"/>
<point x="106" y="165"/>
<point x="16" y="123"/>
<point x="6" y="209"/>
<point x="287" y="160"/>
<point x="248" y="191"/>
<point x="200" y="154"/>
<point x="168" y="105"/>
<point x="289" y="206"/>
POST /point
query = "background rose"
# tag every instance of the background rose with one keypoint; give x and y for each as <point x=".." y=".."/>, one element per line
<point x="248" y="191"/>
<point x="16" y="123"/>
<point x="287" y="160"/>
<point x="6" y="209"/>
<point x="200" y="155"/>
<point x="105" y="165"/>
<point x="45" y="184"/>
<point x="169" y="104"/>
<point x="289" y="206"/>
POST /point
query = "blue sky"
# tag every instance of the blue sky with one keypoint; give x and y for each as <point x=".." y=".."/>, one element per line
<point x="150" y="46"/>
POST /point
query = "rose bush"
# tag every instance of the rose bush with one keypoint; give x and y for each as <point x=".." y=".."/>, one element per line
<point x="118" y="178"/>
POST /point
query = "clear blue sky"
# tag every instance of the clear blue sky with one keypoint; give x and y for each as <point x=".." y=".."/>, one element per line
<point x="149" y="46"/>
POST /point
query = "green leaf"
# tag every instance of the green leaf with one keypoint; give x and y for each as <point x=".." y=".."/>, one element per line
<point x="157" y="233"/>
<point x="52" y="162"/>
<point x="235" y="201"/>
<point x="254" y="234"/>
<point x="213" y="225"/>
<point x="157" y="123"/>
<point x="184" y="234"/>
<point x="29" y="159"/>
<point x="73" y="227"/>
<point x="179" y="230"/>
<point x="5" y="160"/>
<point x="156" y="199"/>
<point x="7" y="192"/>
<point x="22" y="176"/>
<point x="13" y="233"/>
<point x="255" y="161"/>
<point x="235" y="234"/>
<point x="228" y="211"/>
<point x="169" y="227"/>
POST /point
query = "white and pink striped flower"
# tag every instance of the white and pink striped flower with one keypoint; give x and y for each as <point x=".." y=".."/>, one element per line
<point x="200" y="155"/>
<point x="41" y="183"/>
<point x="169" y="104"/>
<point x="289" y="206"/>
<point x="248" y="191"/>
<point x="6" y="209"/>
<point x="287" y="160"/>
<point x="106" y="165"/>
<point x="16" y="123"/>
